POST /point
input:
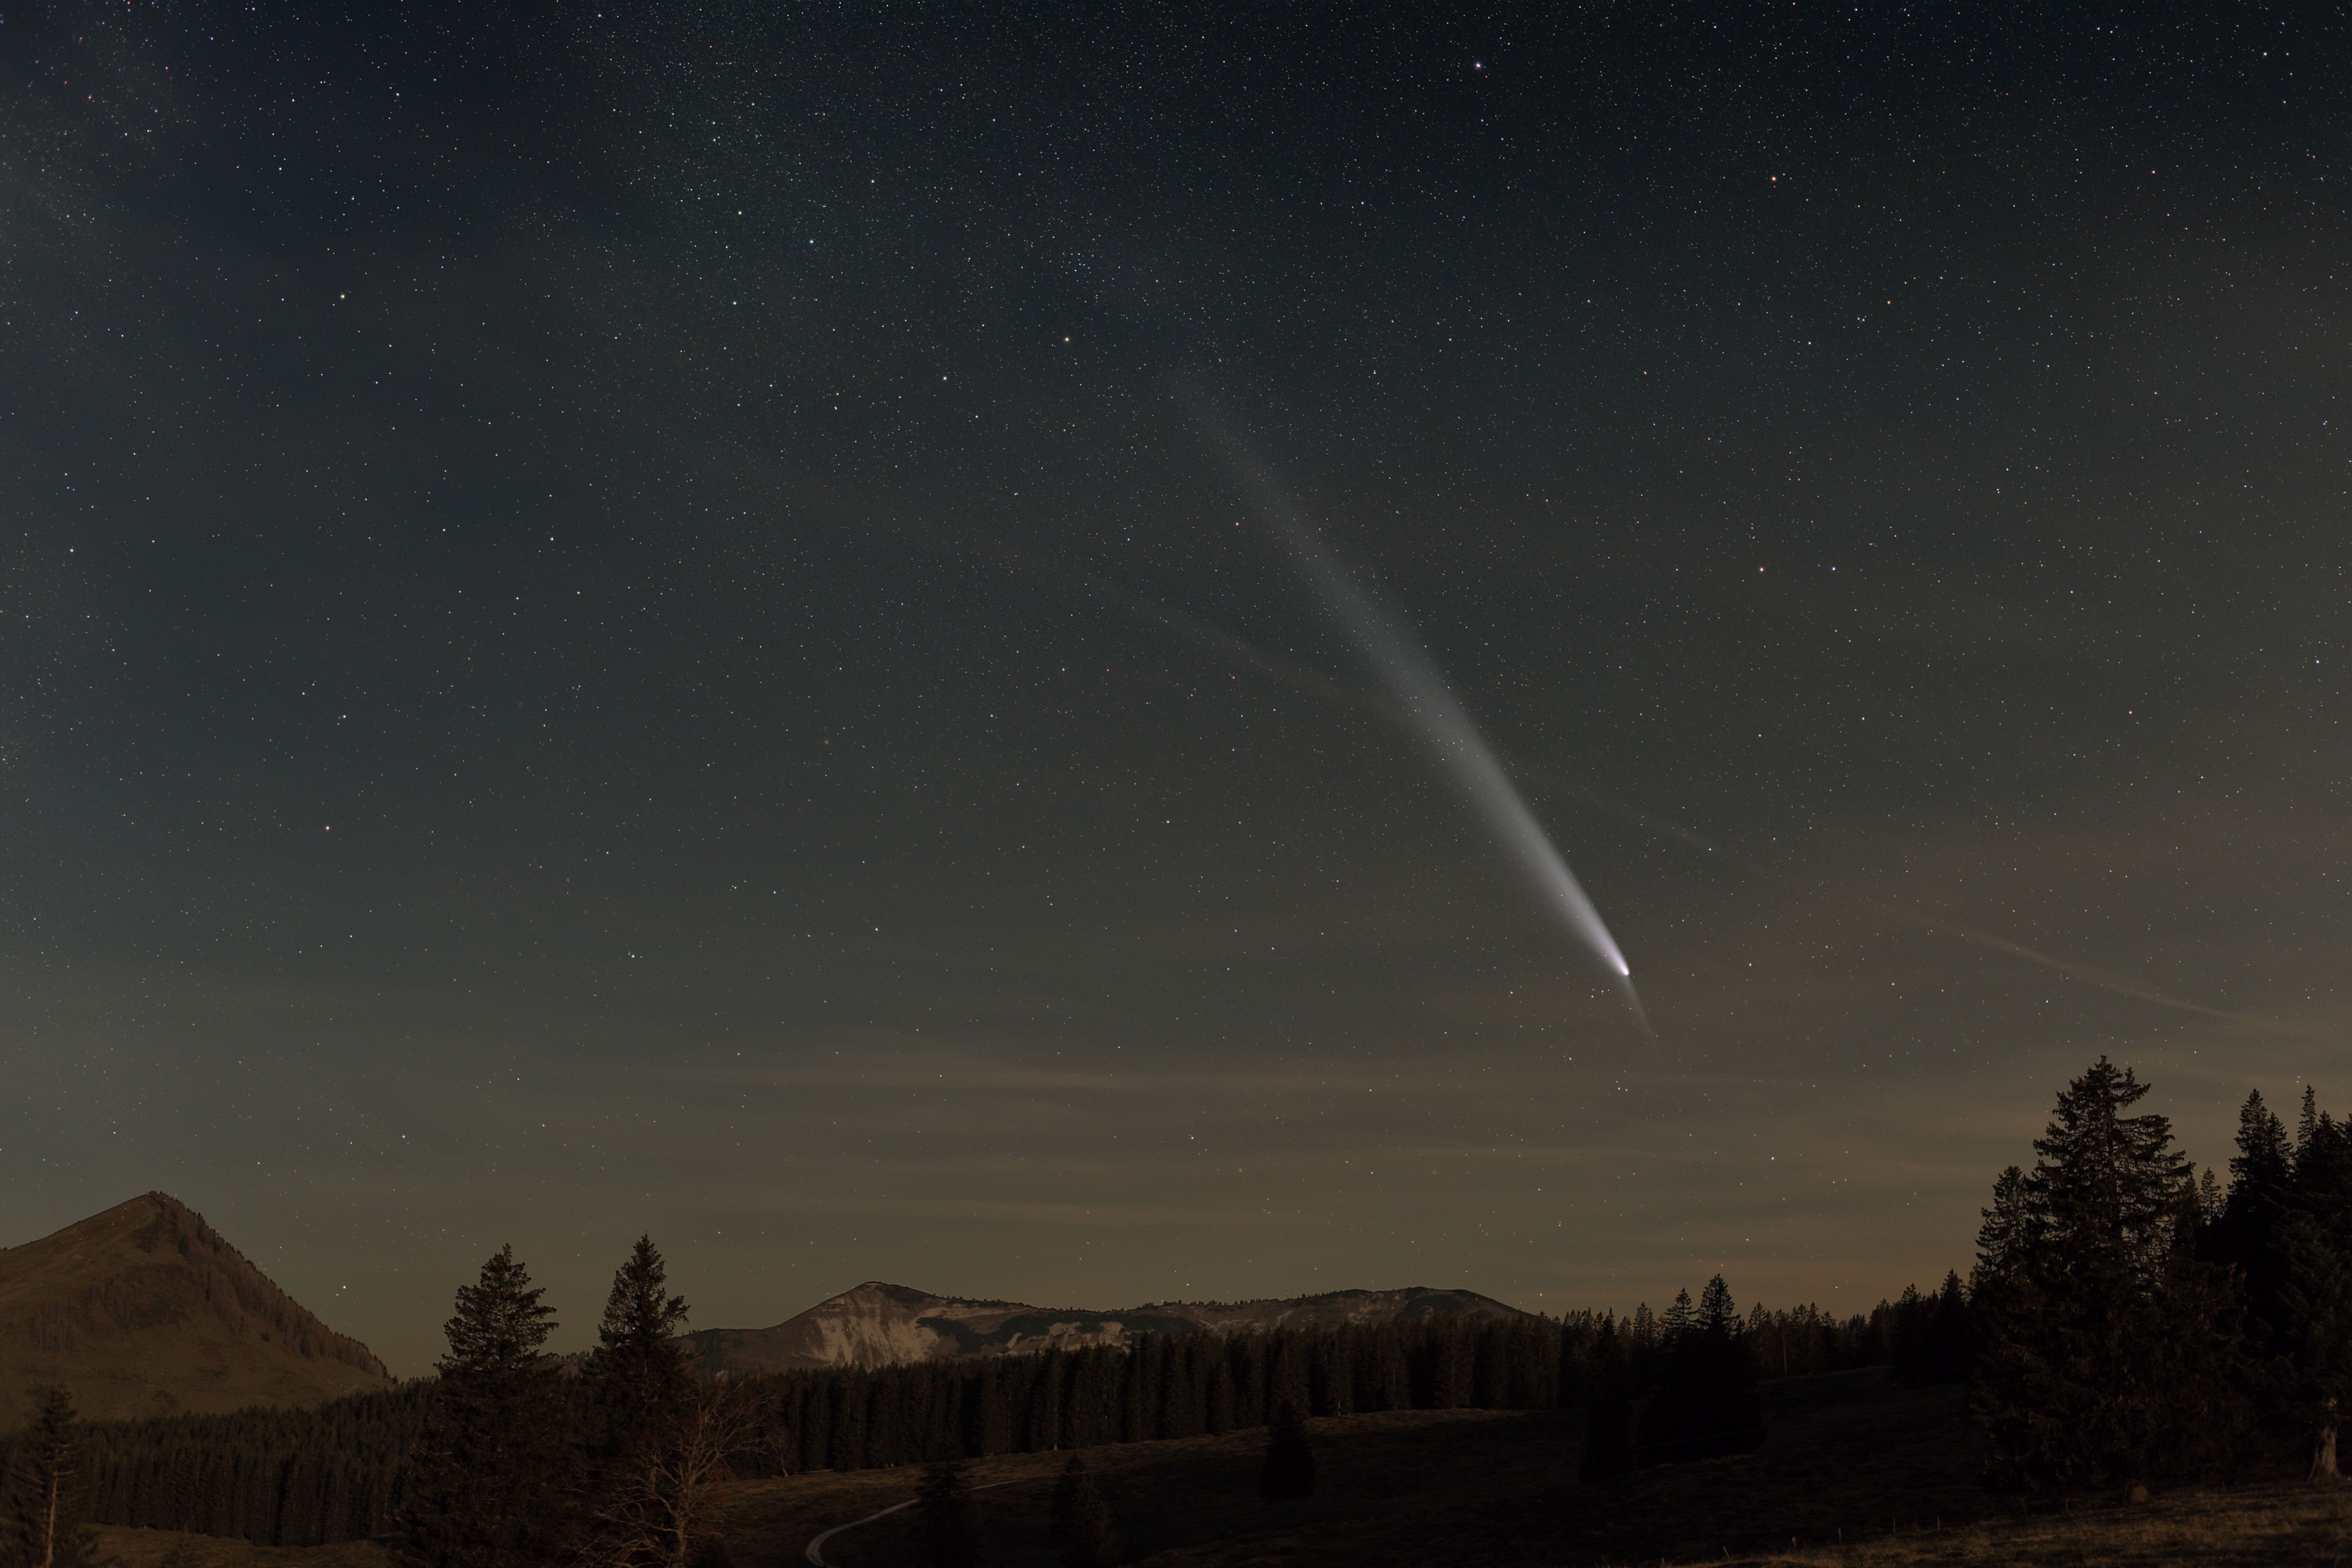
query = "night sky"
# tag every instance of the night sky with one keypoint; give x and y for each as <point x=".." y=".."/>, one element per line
<point x="622" y="620"/>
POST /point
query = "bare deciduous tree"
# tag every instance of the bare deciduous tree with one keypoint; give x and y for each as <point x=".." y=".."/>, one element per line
<point x="654" y="1508"/>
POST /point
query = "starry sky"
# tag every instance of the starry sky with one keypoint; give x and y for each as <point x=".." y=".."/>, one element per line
<point x="620" y="620"/>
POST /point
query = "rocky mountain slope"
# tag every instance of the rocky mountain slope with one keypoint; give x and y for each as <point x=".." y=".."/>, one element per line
<point x="887" y="1325"/>
<point x="145" y="1310"/>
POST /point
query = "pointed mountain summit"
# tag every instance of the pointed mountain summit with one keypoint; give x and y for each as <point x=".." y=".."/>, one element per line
<point x="145" y="1310"/>
<point x="875" y="1324"/>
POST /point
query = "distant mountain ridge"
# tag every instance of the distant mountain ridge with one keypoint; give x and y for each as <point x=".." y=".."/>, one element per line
<point x="145" y="1309"/>
<point x="878" y="1324"/>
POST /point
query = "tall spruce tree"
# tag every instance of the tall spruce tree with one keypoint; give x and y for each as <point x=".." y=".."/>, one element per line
<point x="2007" y="1391"/>
<point x="1675" y="1325"/>
<point x="638" y="1380"/>
<point x="2323" y="1170"/>
<point x="2262" y="1199"/>
<point x="2312" y="1337"/>
<point x="1912" y="1349"/>
<point x="1704" y="1402"/>
<point x="2107" y="1345"/>
<point x="483" y="1488"/>
<point x="46" y="1490"/>
<point x="1952" y="1340"/>
<point x="2307" y="1330"/>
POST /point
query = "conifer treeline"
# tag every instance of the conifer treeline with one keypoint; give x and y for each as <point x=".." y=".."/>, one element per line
<point x="1199" y="1385"/>
<point x="1188" y="1386"/>
<point x="2137" y="1323"/>
<point x="337" y="1471"/>
<point x="282" y="1477"/>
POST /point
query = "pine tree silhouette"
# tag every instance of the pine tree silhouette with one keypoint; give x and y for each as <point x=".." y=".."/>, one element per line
<point x="46" y="1491"/>
<point x="1675" y="1326"/>
<point x="2323" y="1169"/>
<point x="483" y="1488"/>
<point x="1952" y="1340"/>
<point x="637" y="1379"/>
<point x="1911" y="1347"/>
<point x="1704" y="1400"/>
<point x="2290" y="1243"/>
<point x="2261" y="1200"/>
<point x="2109" y="1350"/>
<point x="2314" y="1333"/>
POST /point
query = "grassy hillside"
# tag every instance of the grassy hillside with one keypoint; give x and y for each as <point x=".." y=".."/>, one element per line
<point x="123" y="1548"/>
<point x="2252" y="1525"/>
<point x="1432" y="1487"/>
<point x="1857" y="1471"/>
<point x="145" y="1309"/>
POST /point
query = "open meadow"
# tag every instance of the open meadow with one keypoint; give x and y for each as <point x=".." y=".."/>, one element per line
<point x="1856" y="1469"/>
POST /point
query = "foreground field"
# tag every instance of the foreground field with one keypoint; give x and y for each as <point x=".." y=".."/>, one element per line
<point x="2271" y="1524"/>
<point x="124" y="1548"/>
<point x="1164" y="1495"/>
<point x="1441" y="1488"/>
<point x="1857" y="1473"/>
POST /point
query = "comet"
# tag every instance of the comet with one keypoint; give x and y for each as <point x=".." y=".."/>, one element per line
<point x="1429" y="706"/>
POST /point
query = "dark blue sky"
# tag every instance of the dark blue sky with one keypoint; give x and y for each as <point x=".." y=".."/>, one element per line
<point x="610" y="621"/>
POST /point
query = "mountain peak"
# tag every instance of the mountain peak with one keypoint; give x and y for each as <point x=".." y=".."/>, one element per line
<point x="880" y="1324"/>
<point x="882" y="1289"/>
<point x="144" y="1308"/>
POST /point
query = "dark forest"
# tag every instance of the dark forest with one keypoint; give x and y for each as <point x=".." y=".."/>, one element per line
<point x="2128" y="1320"/>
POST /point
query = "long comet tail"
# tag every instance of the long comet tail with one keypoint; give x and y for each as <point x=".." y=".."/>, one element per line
<point x="1441" y="720"/>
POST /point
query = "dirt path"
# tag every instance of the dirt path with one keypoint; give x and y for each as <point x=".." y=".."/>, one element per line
<point x="817" y="1546"/>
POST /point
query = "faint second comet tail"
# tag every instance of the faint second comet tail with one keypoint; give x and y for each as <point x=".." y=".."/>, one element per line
<point x="1408" y="672"/>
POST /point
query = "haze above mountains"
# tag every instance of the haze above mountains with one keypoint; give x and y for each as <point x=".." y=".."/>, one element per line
<point x="144" y="1310"/>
